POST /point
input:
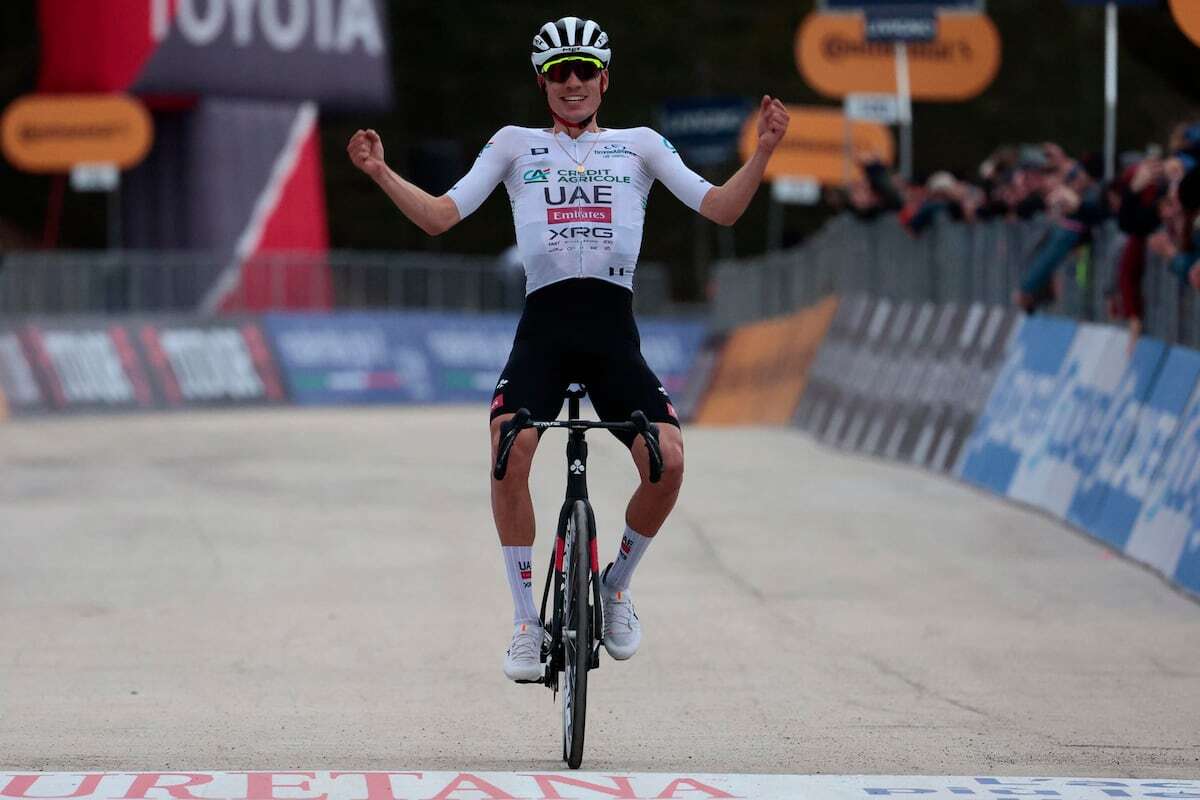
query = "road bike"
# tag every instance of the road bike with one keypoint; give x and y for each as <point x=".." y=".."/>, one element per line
<point x="571" y="642"/>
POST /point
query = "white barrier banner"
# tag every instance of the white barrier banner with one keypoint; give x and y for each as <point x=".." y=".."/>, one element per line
<point x="394" y="785"/>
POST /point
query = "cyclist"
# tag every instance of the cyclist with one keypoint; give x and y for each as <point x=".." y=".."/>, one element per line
<point x="578" y="194"/>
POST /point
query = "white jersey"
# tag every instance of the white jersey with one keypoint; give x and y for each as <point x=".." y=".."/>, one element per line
<point x="578" y="204"/>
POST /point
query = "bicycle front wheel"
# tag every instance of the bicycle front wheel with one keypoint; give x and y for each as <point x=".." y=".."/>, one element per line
<point x="577" y="631"/>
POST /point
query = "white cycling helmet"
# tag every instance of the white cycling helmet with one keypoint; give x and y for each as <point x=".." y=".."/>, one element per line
<point x="571" y="38"/>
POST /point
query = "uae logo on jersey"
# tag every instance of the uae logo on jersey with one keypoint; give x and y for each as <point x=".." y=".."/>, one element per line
<point x="536" y="176"/>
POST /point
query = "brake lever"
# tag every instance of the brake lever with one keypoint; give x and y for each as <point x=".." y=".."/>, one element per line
<point x="508" y="434"/>
<point x="649" y="433"/>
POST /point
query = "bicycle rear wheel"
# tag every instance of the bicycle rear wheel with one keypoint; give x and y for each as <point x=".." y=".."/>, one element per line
<point x="577" y="632"/>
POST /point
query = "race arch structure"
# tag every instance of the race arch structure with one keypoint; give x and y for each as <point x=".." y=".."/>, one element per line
<point x="234" y="88"/>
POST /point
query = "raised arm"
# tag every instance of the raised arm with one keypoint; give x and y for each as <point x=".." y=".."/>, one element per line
<point x="725" y="204"/>
<point x="434" y="215"/>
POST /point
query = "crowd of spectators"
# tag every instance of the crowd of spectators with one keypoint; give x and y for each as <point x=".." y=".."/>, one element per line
<point x="1154" y="199"/>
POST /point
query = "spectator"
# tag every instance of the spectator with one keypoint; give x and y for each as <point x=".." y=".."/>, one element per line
<point x="943" y="195"/>
<point x="1155" y="200"/>
<point x="1178" y="243"/>
<point x="875" y="193"/>
<point x="1076" y="202"/>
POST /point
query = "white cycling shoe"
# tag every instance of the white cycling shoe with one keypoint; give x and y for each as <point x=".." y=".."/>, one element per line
<point x="523" y="660"/>
<point x="622" y="629"/>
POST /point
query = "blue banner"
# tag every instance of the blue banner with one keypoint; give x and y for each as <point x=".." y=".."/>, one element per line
<point x="1158" y="453"/>
<point x="349" y="358"/>
<point x="705" y="130"/>
<point x="1027" y="389"/>
<point x="1103" y="445"/>
<point x="430" y="357"/>
<point x="1166" y="534"/>
<point x="915" y="24"/>
<point x="1049" y="471"/>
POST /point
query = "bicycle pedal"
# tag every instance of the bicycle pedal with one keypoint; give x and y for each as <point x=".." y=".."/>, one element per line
<point x="542" y="681"/>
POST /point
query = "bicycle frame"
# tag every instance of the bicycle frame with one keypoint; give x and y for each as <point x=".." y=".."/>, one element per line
<point x="555" y="656"/>
<point x="576" y="490"/>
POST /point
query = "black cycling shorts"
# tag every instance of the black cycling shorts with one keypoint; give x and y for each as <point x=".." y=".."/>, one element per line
<point x="581" y="330"/>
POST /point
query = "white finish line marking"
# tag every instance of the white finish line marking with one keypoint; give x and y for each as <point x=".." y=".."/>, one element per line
<point x="403" y="785"/>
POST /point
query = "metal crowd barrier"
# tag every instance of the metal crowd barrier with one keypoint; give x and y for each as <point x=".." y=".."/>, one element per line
<point x="949" y="262"/>
<point x="73" y="282"/>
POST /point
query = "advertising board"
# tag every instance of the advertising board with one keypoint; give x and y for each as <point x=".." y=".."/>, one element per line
<point x="1137" y="449"/>
<point x="815" y="145"/>
<point x="18" y="384"/>
<point x="88" y="365"/>
<point x="1162" y="471"/>
<point x="835" y="58"/>
<point x="704" y="129"/>
<point x="1053" y="463"/>
<point x="210" y="362"/>
<point x="430" y="357"/>
<point x="53" y="133"/>
<point x="332" y="51"/>
<point x="1027" y="388"/>
<point x="1099" y="450"/>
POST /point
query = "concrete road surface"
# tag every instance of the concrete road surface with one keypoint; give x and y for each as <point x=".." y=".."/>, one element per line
<point x="323" y="589"/>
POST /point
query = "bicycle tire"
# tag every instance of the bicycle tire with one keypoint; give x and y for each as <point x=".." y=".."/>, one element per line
<point x="577" y="633"/>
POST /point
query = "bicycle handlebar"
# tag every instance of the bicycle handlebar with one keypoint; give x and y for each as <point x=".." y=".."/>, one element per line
<point x="637" y="424"/>
<point x="508" y="434"/>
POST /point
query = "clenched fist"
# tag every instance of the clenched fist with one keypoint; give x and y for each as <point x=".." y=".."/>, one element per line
<point x="772" y="123"/>
<point x="366" y="152"/>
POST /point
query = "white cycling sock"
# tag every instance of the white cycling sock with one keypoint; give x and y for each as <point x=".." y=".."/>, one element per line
<point x="633" y="544"/>
<point x="518" y="565"/>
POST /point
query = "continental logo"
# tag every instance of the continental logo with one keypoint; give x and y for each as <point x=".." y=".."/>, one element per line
<point x="536" y="176"/>
<point x="837" y="47"/>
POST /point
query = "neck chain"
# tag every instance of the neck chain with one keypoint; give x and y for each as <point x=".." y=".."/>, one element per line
<point x="578" y="164"/>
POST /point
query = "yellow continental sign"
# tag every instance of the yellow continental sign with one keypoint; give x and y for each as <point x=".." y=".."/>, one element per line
<point x="815" y="144"/>
<point x="53" y="133"/>
<point x="835" y="58"/>
<point x="1187" y="17"/>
